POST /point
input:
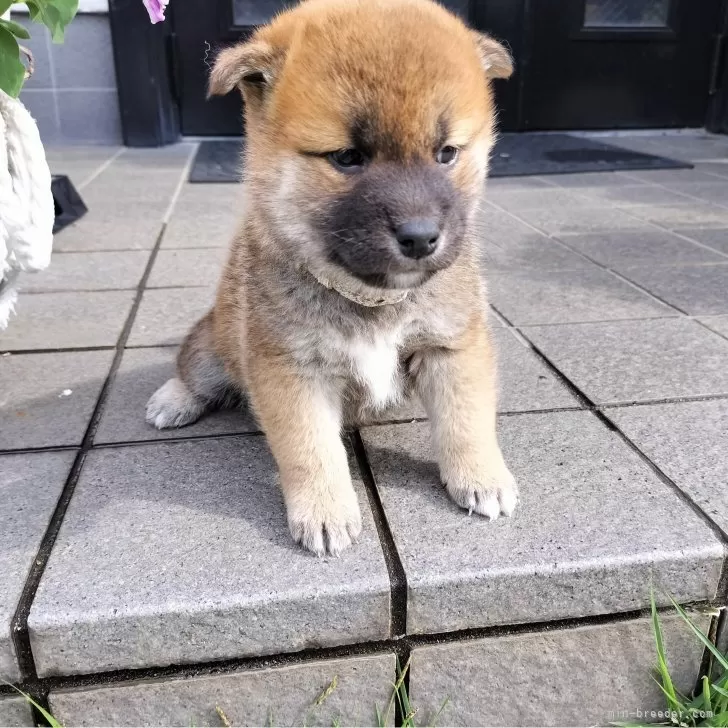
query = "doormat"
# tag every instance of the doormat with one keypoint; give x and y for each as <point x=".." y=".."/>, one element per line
<point x="515" y="155"/>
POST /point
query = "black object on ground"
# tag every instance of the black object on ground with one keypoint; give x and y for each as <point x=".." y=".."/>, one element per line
<point x="515" y="155"/>
<point x="218" y="161"/>
<point x="68" y="203"/>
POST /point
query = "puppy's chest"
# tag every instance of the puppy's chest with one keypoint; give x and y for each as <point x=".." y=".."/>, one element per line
<point x="375" y="366"/>
<point x="370" y="362"/>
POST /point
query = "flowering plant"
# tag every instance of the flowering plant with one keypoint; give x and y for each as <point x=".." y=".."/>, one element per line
<point x="155" y="8"/>
<point x="54" y="14"/>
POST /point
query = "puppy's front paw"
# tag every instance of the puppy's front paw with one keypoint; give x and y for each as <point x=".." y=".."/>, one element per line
<point x="173" y="405"/>
<point x="325" y="522"/>
<point x="488" y="492"/>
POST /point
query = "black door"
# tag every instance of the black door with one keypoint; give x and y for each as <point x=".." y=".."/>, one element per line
<point x="599" y="64"/>
<point x="203" y="26"/>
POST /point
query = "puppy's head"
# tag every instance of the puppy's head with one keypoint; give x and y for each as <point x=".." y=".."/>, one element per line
<point x="369" y="127"/>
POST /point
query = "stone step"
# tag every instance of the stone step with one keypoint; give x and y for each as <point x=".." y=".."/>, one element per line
<point x="176" y="553"/>
<point x="588" y="675"/>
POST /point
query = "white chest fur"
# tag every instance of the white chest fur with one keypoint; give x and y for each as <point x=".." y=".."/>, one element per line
<point x="375" y="366"/>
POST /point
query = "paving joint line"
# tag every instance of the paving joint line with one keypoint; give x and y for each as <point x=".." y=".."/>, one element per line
<point x="179" y="439"/>
<point x="395" y="568"/>
<point x="71" y="349"/>
<point x="19" y="629"/>
<point x="629" y="282"/>
<point x="19" y="624"/>
<point x="612" y="426"/>
<point x="49" y="291"/>
<point x="399" y="645"/>
<point x="610" y="205"/>
<point x="101" y="168"/>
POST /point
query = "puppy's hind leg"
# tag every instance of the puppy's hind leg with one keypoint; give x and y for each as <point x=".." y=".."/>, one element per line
<point x="201" y="384"/>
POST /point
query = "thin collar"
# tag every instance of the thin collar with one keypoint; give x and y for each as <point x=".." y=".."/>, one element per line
<point x="360" y="293"/>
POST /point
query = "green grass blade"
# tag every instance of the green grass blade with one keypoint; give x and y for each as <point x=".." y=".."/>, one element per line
<point x="439" y="712"/>
<point x="667" y="686"/>
<point x="380" y="722"/>
<point x="719" y="720"/>
<point x="51" y="720"/>
<point x="722" y="659"/>
<point x="673" y="703"/>
<point x="707" y="703"/>
<point x="721" y="702"/>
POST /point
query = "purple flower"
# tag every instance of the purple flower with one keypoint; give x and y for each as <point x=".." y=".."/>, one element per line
<point x="155" y="8"/>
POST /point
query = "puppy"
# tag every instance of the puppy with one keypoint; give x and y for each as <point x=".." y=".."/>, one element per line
<point x="354" y="276"/>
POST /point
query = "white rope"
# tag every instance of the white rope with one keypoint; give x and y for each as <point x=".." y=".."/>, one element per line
<point x="26" y="201"/>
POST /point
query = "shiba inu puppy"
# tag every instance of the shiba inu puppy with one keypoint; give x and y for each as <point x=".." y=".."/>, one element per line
<point x="354" y="277"/>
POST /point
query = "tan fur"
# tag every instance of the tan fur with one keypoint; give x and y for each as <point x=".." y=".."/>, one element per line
<point x="297" y="348"/>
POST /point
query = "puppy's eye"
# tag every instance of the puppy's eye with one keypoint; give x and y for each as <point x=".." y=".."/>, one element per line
<point x="447" y="155"/>
<point x="347" y="160"/>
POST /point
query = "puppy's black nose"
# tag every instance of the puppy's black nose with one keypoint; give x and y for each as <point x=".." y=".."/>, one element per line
<point x="418" y="237"/>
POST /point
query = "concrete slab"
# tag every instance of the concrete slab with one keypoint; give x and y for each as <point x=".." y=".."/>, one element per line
<point x="180" y="553"/>
<point x="533" y="251"/>
<point x="29" y="489"/>
<point x="90" y="272"/>
<point x="98" y="231"/>
<point x="633" y="195"/>
<point x="196" y="267"/>
<point x="140" y="374"/>
<point x="565" y="220"/>
<point x="15" y="712"/>
<point x="550" y="673"/>
<point x="696" y="289"/>
<point x="204" y="216"/>
<point x="67" y="320"/>
<point x="719" y="324"/>
<point x="716" y="239"/>
<point x="275" y="696"/>
<point x="633" y="361"/>
<point x="689" y="214"/>
<point x="527" y="297"/>
<point x="686" y="440"/>
<point x="524" y="382"/>
<point x="620" y="251"/>
<point x="48" y="399"/>
<point x="594" y="528"/>
<point x="166" y="315"/>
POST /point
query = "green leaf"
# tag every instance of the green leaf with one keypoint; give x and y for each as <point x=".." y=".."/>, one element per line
<point x="63" y="12"/>
<point x="15" y="28"/>
<point x="12" y="71"/>
<point x="4" y="5"/>
<point x="54" y="14"/>
<point x="67" y="9"/>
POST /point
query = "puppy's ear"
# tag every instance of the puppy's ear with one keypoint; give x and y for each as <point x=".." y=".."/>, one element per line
<point x="496" y="60"/>
<point x="254" y="63"/>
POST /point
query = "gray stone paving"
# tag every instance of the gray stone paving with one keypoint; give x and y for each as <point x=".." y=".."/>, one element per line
<point x="542" y="676"/>
<point x="610" y="317"/>
<point x="273" y="696"/>
<point x="14" y="711"/>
